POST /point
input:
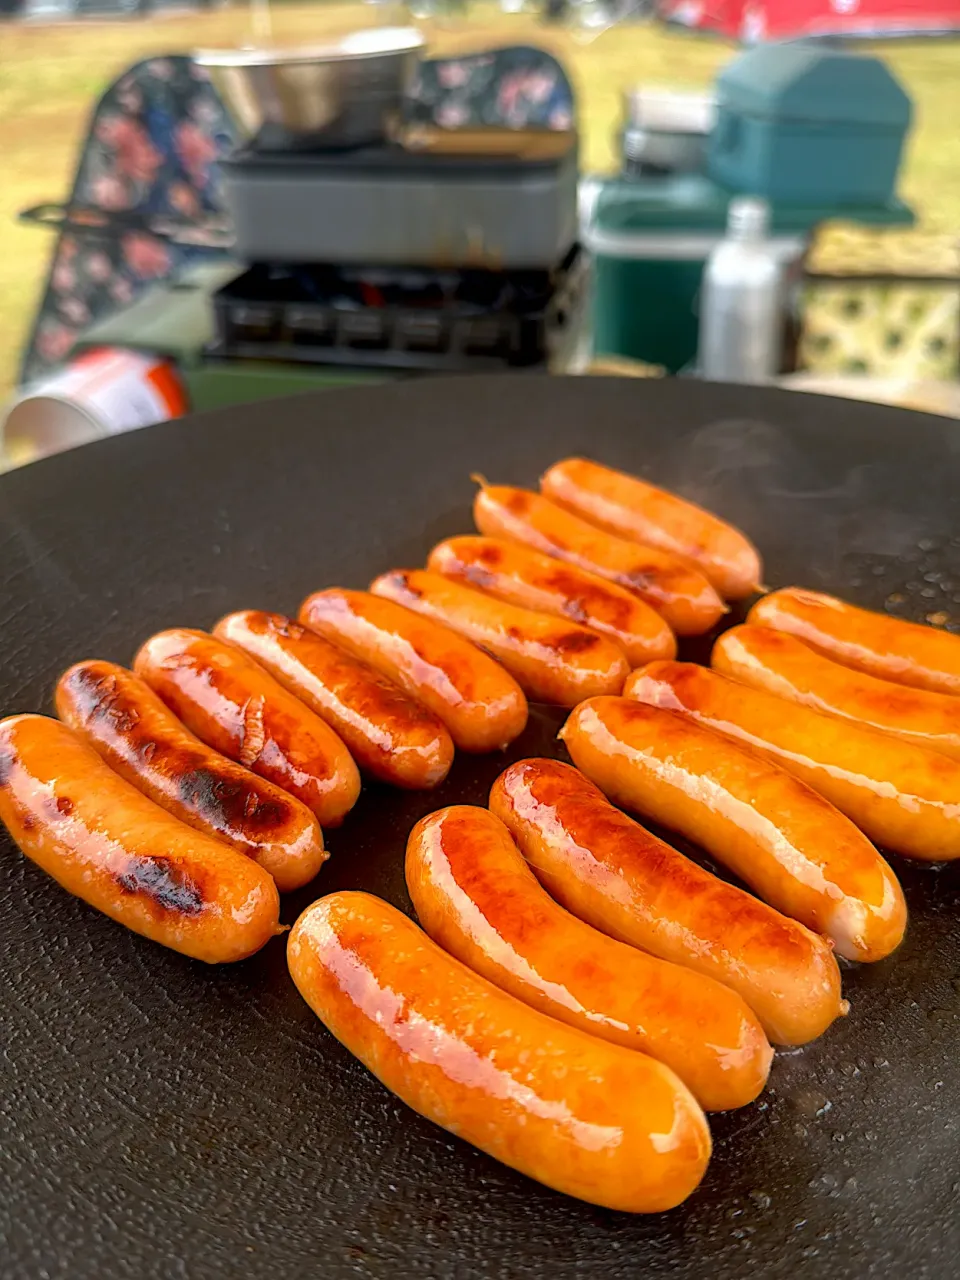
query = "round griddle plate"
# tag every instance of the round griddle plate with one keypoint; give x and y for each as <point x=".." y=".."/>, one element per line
<point x="160" y="1118"/>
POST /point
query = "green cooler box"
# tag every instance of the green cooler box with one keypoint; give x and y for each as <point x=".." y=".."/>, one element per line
<point x="650" y="239"/>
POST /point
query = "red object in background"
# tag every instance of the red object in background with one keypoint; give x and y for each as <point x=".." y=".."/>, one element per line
<point x="102" y="392"/>
<point x="753" y="21"/>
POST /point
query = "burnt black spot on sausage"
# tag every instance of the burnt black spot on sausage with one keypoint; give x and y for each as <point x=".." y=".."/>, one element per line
<point x="7" y="761"/>
<point x="162" y="883"/>
<point x="99" y="699"/>
<point x="572" y="642"/>
<point x="65" y="806"/>
<point x="227" y="804"/>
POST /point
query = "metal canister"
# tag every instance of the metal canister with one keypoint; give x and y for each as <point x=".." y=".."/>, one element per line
<point x="742" y="300"/>
<point x="665" y="131"/>
<point x="103" y="392"/>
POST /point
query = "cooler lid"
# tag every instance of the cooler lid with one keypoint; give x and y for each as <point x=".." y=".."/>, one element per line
<point x="803" y="80"/>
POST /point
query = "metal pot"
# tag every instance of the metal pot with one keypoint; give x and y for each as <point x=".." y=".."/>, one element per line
<point x="665" y="132"/>
<point x="339" y="95"/>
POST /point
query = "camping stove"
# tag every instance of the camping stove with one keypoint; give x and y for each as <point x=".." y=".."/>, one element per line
<point x="439" y="250"/>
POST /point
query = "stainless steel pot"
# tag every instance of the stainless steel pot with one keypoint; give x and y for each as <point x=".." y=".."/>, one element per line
<point x="664" y="131"/>
<point x="338" y="95"/>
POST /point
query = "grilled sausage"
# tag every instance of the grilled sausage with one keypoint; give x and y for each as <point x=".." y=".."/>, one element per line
<point x="102" y="840"/>
<point x="795" y="850"/>
<point x="482" y="706"/>
<point x="615" y="875"/>
<point x="478" y="899"/>
<point x="888" y="648"/>
<point x="678" y="592"/>
<point x="390" y="735"/>
<point x="552" y="661"/>
<point x="782" y="664"/>
<point x="631" y="508"/>
<point x="125" y="722"/>
<point x="236" y="707"/>
<point x="531" y="580"/>
<point x="903" y="797"/>
<point x="591" y="1119"/>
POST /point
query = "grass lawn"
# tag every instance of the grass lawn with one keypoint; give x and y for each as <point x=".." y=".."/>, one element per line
<point x="50" y="76"/>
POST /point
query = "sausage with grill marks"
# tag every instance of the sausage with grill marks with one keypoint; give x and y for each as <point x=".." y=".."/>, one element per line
<point x="103" y="841"/>
<point x="679" y="592"/>
<point x="236" y="707"/>
<point x="532" y="580"/>
<point x="138" y="736"/>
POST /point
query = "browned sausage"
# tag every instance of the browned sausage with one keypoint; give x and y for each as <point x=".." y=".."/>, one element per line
<point x="611" y="872"/>
<point x="111" y="846"/>
<point x="389" y="734"/>
<point x="790" y="845"/>
<point x="482" y="705"/>
<point x="782" y="664"/>
<point x="592" y="1119"/>
<point x="125" y="722"/>
<point x="888" y="648"/>
<point x="678" y="591"/>
<point x="552" y="661"/>
<point x="632" y="508"/>
<point x="478" y="899"/>
<point x="902" y="796"/>
<point x="233" y="705"/>
<point x="526" y="578"/>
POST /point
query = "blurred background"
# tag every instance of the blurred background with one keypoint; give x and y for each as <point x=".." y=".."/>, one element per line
<point x="165" y="217"/>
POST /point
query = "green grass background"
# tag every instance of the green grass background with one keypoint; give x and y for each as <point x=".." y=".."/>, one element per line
<point x="50" y="76"/>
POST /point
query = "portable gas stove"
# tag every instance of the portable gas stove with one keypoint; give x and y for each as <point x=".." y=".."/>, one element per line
<point x="437" y="250"/>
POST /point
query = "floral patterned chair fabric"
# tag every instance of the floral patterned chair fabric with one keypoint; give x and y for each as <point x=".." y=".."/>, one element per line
<point x="149" y="162"/>
<point x="149" y="165"/>
<point x="519" y="87"/>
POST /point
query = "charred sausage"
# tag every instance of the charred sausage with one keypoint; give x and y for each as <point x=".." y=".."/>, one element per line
<point x="236" y="707"/>
<point x="125" y="722"/>
<point x="531" y="580"/>
<point x="102" y="840"/>
<point x="679" y="592"/>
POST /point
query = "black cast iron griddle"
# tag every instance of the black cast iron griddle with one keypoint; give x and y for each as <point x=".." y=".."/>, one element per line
<point x="164" y="1119"/>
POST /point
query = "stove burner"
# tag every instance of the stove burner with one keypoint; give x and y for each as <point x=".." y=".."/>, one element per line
<point x="405" y="319"/>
